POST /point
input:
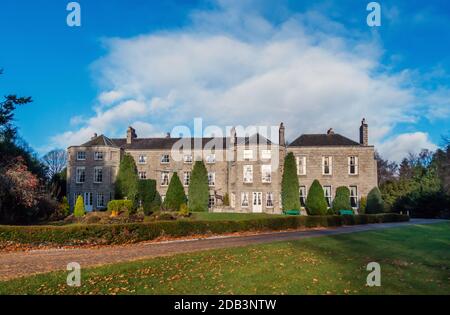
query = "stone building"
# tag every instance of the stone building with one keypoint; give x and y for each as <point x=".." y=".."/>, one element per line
<point x="248" y="169"/>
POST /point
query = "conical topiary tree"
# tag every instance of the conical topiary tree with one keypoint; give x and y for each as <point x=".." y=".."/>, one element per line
<point x="147" y="193"/>
<point x="315" y="202"/>
<point x="175" y="195"/>
<point x="375" y="203"/>
<point x="79" y="210"/>
<point x="198" y="188"/>
<point x="289" y="184"/>
<point x="126" y="185"/>
<point x="342" y="199"/>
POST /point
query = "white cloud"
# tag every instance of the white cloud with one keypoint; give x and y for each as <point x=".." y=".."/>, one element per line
<point x="396" y="148"/>
<point x="232" y="68"/>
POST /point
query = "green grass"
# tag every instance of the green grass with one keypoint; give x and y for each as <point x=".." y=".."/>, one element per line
<point x="207" y="216"/>
<point x="414" y="260"/>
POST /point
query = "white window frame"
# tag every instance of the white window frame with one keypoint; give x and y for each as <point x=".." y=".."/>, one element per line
<point x="356" y="165"/>
<point x="81" y="153"/>
<point x="96" y="174"/>
<point x="103" y="204"/>
<point x="211" y="179"/>
<point x="328" y="198"/>
<point x="353" y="196"/>
<point x="211" y="158"/>
<point x="163" y="177"/>
<point x="248" y="154"/>
<point x="245" y="194"/>
<point x="186" y="179"/>
<point x="269" y="196"/>
<point x="301" y="170"/>
<point x="264" y="169"/>
<point x="211" y="201"/>
<point x="142" y="159"/>
<point x="165" y="159"/>
<point x="266" y="154"/>
<point x="187" y="158"/>
<point x="330" y="167"/>
<point x="244" y="171"/>
<point x="78" y="176"/>
<point x="99" y="156"/>
<point x="305" y="195"/>
<point x="142" y="174"/>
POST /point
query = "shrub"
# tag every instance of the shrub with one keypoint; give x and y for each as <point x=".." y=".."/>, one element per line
<point x="175" y="195"/>
<point x="147" y="194"/>
<point x="342" y="199"/>
<point x="184" y="210"/>
<point x="375" y="203"/>
<point x="198" y="188"/>
<point x="136" y="232"/>
<point x="362" y="205"/>
<point x="64" y="207"/>
<point x="289" y="184"/>
<point x="79" y="210"/>
<point x="119" y="206"/>
<point x="156" y="203"/>
<point x="315" y="202"/>
<point x="126" y="185"/>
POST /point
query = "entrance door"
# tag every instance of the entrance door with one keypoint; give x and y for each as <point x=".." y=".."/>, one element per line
<point x="257" y="202"/>
<point x="88" y="201"/>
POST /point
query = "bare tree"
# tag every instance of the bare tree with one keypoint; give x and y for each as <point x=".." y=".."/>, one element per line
<point x="55" y="161"/>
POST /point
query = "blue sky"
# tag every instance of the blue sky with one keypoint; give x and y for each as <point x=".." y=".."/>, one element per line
<point x="165" y="62"/>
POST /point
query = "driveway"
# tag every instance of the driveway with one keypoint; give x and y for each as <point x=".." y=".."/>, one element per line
<point x="17" y="264"/>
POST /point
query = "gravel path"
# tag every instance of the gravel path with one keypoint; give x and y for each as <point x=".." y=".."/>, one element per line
<point x="17" y="264"/>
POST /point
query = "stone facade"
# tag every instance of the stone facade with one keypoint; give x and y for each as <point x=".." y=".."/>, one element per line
<point x="248" y="169"/>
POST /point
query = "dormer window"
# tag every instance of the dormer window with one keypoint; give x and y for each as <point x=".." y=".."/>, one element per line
<point x="81" y="156"/>
<point x="98" y="156"/>
<point x="165" y="159"/>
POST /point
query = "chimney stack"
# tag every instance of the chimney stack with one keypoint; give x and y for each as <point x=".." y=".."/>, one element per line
<point x="168" y="135"/>
<point x="364" y="133"/>
<point x="282" y="139"/>
<point x="330" y="131"/>
<point x="233" y="136"/>
<point x="131" y="134"/>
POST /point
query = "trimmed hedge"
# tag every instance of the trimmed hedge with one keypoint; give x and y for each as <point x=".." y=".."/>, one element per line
<point x="136" y="232"/>
<point x="121" y="205"/>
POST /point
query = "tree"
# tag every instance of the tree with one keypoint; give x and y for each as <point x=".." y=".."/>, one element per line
<point x="386" y="170"/>
<point x="147" y="194"/>
<point x="56" y="161"/>
<point x="126" y="185"/>
<point x="175" y="195"/>
<point x="375" y="203"/>
<point x="342" y="199"/>
<point x="198" y="188"/>
<point x="79" y="210"/>
<point x="65" y="208"/>
<point x="289" y="184"/>
<point x="315" y="202"/>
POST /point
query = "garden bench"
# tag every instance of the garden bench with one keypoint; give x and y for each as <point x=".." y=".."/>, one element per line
<point x="346" y="212"/>
<point x="291" y="212"/>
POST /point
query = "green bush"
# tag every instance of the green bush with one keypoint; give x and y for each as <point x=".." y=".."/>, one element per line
<point x="157" y="202"/>
<point x="362" y="205"/>
<point x="126" y="185"/>
<point x="175" y="195"/>
<point x="289" y="184"/>
<point x="135" y="232"/>
<point x="199" y="188"/>
<point x="342" y="199"/>
<point x="147" y="194"/>
<point x="184" y="210"/>
<point x="79" y="210"/>
<point x="119" y="206"/>
<point x="315" y="202"/>
<point x="64" y="207"/>
<point x="375" y="203"/>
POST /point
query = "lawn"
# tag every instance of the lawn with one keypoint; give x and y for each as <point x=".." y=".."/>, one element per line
<point x="208" y="216"/>
<point x="414" y="260"/>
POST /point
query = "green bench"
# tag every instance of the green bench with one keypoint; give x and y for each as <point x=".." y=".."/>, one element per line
<point x="346" y="212"/>
<point x="291" y="212"/>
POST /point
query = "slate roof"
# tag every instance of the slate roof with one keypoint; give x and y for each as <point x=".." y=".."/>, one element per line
<point x="316" y="140"/>
<point x="100" y="141"/>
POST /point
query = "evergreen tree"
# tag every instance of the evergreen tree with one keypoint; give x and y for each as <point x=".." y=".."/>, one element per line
<point x="79" y="210"/>
<point x="147" y="194"/>
<point x="198" y="188"/>
<point x="126" y="185"/>
<point x="315" y="202"/>
<point x="175" y="196"/>
<point x="65" y="208"/>
<point x="375" y="203"/>
<point x="289" y="184"/>
<point x="342" y="199"/>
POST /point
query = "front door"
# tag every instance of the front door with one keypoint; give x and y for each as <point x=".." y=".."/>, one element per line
<point x="88" y="201"/>
<point x="257" y="202"/>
